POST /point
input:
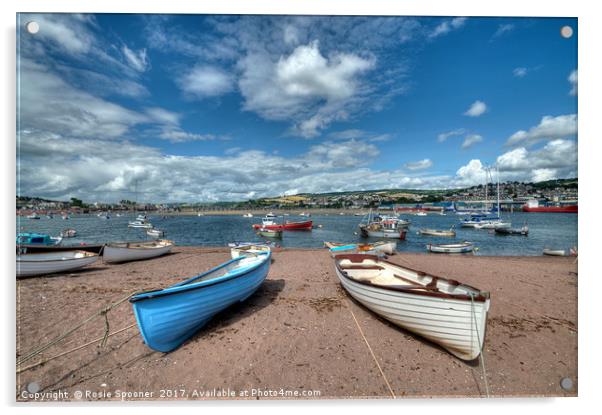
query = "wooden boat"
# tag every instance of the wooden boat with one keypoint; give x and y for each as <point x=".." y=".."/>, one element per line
<point x="459" y="248"/>
<point x="287" y="226"/>
<point x="384" y="247"/>
<point x="378" y="230"/>
<point x="435" y="232"/>
<point x="68" y="233"/>
<point x="32" y="249"/>
<point x="134" y="251"/>
<point x="155" y="233"/>
<point x="446" y="312"/>
<point x="270" y="233"/>
<point x="554" y="252"/>
<point x="29" y="265"/>
<point x="167" y="318"/>
<point x="249" y="249"/>
<point x="513" y="231"/>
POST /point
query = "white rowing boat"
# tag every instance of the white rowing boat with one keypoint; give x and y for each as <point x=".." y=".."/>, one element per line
<point x="52" y="262"/>
<point x="460" y="248"/>
<point x="140" y="224"/>
<point x="446" y="312"/>
<point x="156" y="233"/>
<point x="554" y="252"/>
<point x="436" y="232"/>
<point x="134" y="251"/>
<point x="383" y="247"/>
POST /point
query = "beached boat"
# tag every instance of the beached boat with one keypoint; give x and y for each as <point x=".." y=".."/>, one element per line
<point x="29" y="265"/>
<point x="459" y="248"/>
<point x="140" y="224"/>
<point x="381" y="247"/>
<point x="37" y="239"/>
<point x="554" y="252"/>
<point x="156" y="233"/>
<point x="446" y="312"/>
<point x="134" y="251"/>
<point x="38" y="249"/>
<point x="167" y="318"/>
<point x="270" y="233"/>
<point x="68" y="233"/>
<point x="435" y="232"/>
<point x="286" y="226"/>
<point x="513" y="231"/>
<point x="252" y="249"/>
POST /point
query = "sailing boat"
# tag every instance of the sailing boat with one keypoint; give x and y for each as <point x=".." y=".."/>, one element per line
<point x="484" y="221"/>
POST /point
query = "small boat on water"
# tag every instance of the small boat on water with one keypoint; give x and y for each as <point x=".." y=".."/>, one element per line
<point x="382" y="230"/>
<point x="33" y="216"/>
<point x="249" y="249"/>
<point x="383" y="247"/>
<point x="156" y="233"/>
<point x="167" y="318"/>
<point x="65" y="217"/>
<point x="435" y="232"/>
<point x="38" y="239"/>
<point x="29" y="265"/>
<point x="554" y="252"/>
<point x="140" y="224"/>
<point x="446" y="312"/>
<point x="247" y="215"/>
<point x="306" y="214"/>
<point x="270" y="233"/>
<point x="68" y="233"/>
<point x="459" y="248"/>
<point x="134" y="251"/>
<point x="494" y="224"/>
<point x="513" y="231"/>
<point x="421" y="213"/>
<point x="268" y="223"/>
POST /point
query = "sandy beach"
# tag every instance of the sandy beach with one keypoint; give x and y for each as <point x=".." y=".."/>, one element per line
<point x="300" y="335"/>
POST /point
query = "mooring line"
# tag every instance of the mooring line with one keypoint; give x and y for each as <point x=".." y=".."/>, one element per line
<point x="371" y="352"/>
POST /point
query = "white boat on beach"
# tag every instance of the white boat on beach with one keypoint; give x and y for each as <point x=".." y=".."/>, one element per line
<point x="29" y="265"/>
<point x="446" y="312"/>
<point x="134" y="251"/>
<point x="554" y="252"/>
<point x="380" y="247"/>
<point x="459" y="248"/>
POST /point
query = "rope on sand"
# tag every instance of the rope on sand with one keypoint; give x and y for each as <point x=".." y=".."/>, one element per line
<point x="75" y="349"/>
<point x="99" y="313"/>
<point x="371" y="352"/>
<point x="481" y="357"/>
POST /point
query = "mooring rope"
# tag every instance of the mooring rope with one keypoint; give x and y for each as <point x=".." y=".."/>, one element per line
<point x="481" y="357"/>
<point x="101" y="312"/>
<point x="372" y="353"/>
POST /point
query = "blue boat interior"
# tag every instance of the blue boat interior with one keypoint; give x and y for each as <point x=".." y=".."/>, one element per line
<point x="34" y="238"/>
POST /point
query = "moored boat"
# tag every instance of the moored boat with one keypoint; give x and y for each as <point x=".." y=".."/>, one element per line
<point x="513" y="231"/>
<point x="494" y="224"/>
<point x="435" y="232"/>
<point x="167" y="318"/>
<point x="534" y="206"/>
<point x="286" y="226"/>
<point x="38" y="239"/>
<point x="459" y="248"/>
<point x="270" y="233"/>
<point x="29" y="265"/>
<point x="140" y="224"/>
<point x="554" y="252"/>
<point x="134" y="251"/>
<point x="446" y="312"/>
<point x="33" y="216"/>
<point x="156" y="233"/>
<point x="68" y="233"/>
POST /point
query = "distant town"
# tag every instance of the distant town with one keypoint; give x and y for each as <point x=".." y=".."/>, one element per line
<point x="511" y="193"/>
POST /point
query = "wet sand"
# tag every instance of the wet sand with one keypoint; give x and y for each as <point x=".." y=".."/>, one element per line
<point x="298" y="334"/>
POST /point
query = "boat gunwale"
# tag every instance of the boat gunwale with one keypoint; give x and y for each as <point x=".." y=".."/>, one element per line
<point x="115" y="245"/>
<point x="87" y="254"/>
<point x="483" y="296"/>
<point x="189" y="285"/>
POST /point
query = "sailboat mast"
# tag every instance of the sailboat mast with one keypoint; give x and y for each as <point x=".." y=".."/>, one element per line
<point x="497" y="169"/>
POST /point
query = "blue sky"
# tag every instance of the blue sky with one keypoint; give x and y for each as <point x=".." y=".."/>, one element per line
<point x="206" y="108"/>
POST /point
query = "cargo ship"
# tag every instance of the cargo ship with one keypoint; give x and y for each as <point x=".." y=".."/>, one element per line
<point x="533" y="206"/>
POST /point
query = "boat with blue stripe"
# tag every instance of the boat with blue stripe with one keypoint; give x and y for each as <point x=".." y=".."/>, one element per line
<point x="167" y="318"/>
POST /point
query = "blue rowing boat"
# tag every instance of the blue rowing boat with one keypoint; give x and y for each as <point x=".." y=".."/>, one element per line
<point x="167" y="318"/>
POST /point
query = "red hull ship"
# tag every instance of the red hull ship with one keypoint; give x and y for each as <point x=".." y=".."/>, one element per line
<point x="288" y="226"/>
<point x="551" y="209"/>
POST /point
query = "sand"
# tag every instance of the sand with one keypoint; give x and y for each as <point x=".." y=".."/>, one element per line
<point x="297" y="336"/>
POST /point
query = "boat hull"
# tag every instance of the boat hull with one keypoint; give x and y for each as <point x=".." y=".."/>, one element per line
<point x="167" y="321"/>
<point x="450" y="249"/>
<point x="451" y="323"/>
<point x="114" y="254"/>
<point x="29" y="265"/>
<point x="288" y="226"/>
<point x="389" y="234"/>
<point x="551" y="209"/>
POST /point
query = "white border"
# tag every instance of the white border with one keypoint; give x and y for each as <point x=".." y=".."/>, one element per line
<point x="589" y="177"/>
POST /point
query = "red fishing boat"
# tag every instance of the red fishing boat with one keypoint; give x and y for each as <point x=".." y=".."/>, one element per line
<point x="287" y="226"/>
<point x="533" y="206"/>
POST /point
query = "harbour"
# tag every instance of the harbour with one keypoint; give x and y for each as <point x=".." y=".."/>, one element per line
<point x="300" y="331"/>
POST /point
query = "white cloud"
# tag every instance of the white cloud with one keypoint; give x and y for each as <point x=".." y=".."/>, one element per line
<point x="549" y="128"/>
<point x="418" y="165"/>
<point x="163" y="116"/>
<point x="503" y="29"/>
<point x="470" y="174"/>
<point x="476" y="109"/>
<point x="447" y="26"/>
<point x="520" y="72"/>
<point x="444" y="136"/>
<point x="64" y="31"/>
<point x="540" y="175"/>
<point x="573" y="81"/>
<point x="137" y="60"/>
<point x="206" y="81"/>
<point x="471" y="139"/>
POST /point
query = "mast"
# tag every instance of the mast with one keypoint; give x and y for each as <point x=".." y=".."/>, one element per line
<point x="497" y="169"/>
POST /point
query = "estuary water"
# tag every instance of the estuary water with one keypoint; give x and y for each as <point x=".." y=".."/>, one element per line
<point x="546" y="230"/>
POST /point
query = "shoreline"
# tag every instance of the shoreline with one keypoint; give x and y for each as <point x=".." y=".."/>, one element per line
<point x="298" y="333"/>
